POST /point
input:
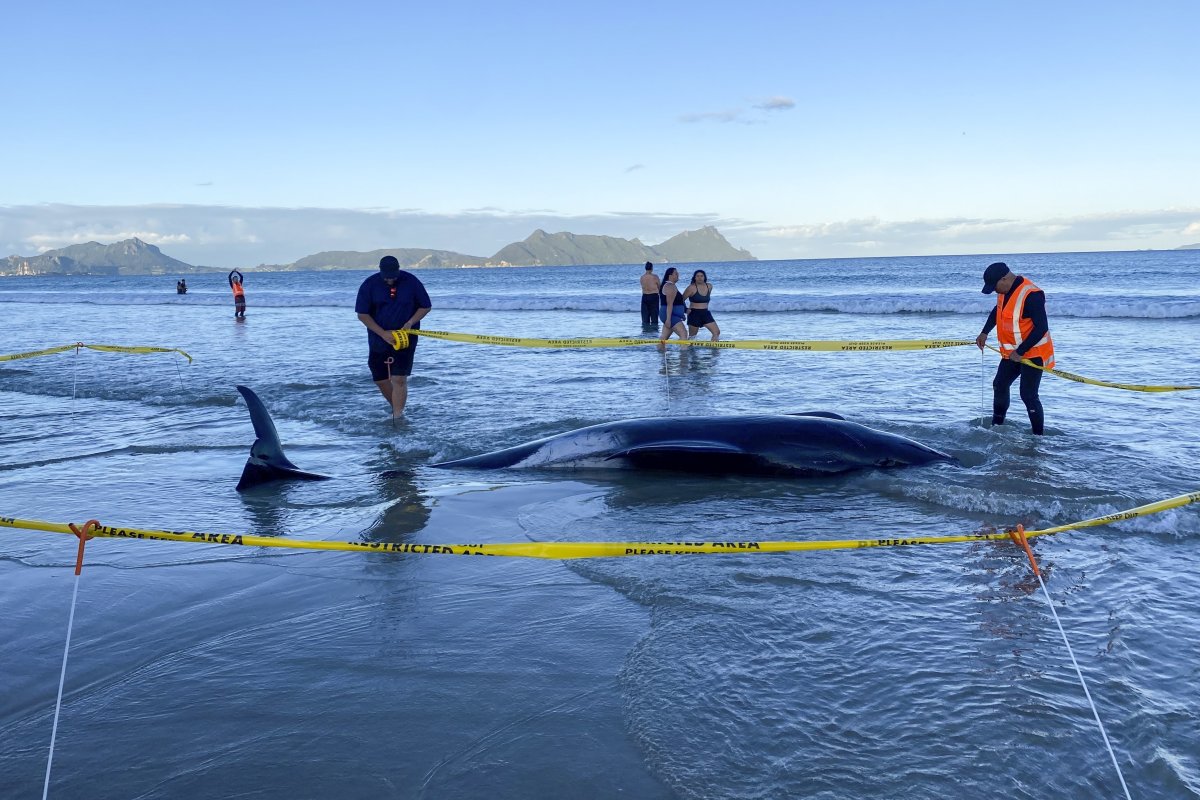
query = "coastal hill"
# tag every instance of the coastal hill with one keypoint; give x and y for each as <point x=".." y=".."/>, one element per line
<point x="1189" y="246"/>
<point x="129" y="257"/>
<point x="135" y="257"/>
<point x="546" y="249"/>
<point x="407" y="256"/>
<point x="542" y="249"/>
<point x="706" y="244"/>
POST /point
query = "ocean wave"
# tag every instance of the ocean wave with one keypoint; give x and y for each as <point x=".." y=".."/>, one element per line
<point x="1149" y="306"/>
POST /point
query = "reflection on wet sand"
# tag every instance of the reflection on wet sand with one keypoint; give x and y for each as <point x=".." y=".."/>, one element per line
<point x="406" y="514"/>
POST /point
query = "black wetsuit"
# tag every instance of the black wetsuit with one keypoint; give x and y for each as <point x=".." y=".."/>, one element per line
<point x="1008" y="371"/>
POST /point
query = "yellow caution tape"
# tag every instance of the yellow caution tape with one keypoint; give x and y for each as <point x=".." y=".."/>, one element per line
<point x="1071" y="376"/>
<point x="400" y="341"/>
<point x="571" y="550"/>
<point x="1121" y="516"/>
<point x="822" y="345"/>
<point x="104" y="348"/>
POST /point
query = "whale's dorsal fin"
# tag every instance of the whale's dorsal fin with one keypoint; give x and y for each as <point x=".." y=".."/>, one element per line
<point x="267" y="461"/>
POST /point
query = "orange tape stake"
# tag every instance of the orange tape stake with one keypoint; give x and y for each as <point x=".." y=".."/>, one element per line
<point x="1018" y="537"/>
<point x="83" y="535"/>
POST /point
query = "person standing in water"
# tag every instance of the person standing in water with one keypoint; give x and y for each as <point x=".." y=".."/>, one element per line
<point x="391" y="300"/>
<point x="239" y="294"/>
<point x="671" y="308"/>
<point x="1023" y="333"/>
<point x="698" y="293"/>
<point x="650" y="287"/>
<point x="181" y="286"/>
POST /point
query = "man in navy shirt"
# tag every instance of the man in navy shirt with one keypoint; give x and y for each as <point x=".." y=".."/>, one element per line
<point x="389" y="301"/>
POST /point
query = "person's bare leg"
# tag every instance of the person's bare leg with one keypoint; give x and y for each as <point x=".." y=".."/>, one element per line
<point x="385" y="388"/>
<point x="714" y="330"/>
<point x="399" y="395"/>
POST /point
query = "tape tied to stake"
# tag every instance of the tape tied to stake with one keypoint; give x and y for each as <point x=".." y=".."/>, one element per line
<point x="103" y="348"/>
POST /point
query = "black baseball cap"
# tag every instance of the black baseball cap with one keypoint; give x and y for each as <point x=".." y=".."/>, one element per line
<point x="993" y="273"/>
<point x="389" y="267"/>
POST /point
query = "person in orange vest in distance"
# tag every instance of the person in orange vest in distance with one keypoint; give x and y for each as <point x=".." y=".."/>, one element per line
<point x="1023" y="333"/>
<point x="239" y="294"/>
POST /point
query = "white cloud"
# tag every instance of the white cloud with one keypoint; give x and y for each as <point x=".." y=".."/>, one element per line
<point x="237" y="236"/>
<point x="733" y="115"/>
<point x="240" y="237"/>
<point x="777" y="103"/>
<point x="1128" y="230"/>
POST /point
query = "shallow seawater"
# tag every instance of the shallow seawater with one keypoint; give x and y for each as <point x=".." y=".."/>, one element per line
<point x="199" y="670"/>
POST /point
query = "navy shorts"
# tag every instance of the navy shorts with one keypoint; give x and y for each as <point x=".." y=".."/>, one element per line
<point x="402" y="361"/>
<point x="677" y="313"/>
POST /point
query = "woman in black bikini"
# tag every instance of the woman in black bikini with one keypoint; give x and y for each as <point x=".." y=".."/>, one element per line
<point x="698" y="316"/>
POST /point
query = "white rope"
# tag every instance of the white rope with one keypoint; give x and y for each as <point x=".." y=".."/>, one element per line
<point x="62" y="677"/>
<point x="1083" y="683"/>
<point x="74" y="377"/>
<point x="179" y="372"/>
<point x="667" y="378"/>
<point x="983" y="419"/>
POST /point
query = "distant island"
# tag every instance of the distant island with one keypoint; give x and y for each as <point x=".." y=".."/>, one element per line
<point x="129" y="257"/>
<point x="1189" y="246"/>
<point x="540" y="249"/>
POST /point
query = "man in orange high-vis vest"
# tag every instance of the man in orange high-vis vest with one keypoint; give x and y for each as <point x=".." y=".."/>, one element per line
<point x="1023" y="333"/>
<point x="239" y="294"/>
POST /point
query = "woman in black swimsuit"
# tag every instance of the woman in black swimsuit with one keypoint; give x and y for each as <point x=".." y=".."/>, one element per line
<point x="671" y="307"/>
<point x="698" y="294"/>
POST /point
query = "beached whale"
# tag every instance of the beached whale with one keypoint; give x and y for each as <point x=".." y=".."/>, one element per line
<point x="798" y="445"/>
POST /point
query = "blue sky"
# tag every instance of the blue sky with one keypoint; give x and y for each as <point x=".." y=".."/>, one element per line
<point x="799" y="129"/>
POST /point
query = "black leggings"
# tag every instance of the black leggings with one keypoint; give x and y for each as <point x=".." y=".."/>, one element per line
<point x="649" y="310"/>
<point x="1031" y="378"/>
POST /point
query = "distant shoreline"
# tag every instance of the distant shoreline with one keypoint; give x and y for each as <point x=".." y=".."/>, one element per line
<point x="659" y="266"/>
<point x="136" y="257"/>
